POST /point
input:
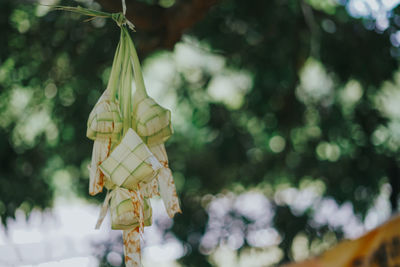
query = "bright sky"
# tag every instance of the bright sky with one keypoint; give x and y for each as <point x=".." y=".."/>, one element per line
<point x="65" y="238"/>
<point x="363" y="8"/>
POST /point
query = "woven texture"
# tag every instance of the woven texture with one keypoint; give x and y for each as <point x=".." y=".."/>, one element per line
<point x="152" y="122"/>
<point x="105" y="120"/>
<point x="130" y="163"/>
<point x="129" y="210"/>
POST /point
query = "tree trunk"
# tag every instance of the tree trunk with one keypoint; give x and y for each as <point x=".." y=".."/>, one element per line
<point x="162" y="27"/>
<point x="394" y="179"/>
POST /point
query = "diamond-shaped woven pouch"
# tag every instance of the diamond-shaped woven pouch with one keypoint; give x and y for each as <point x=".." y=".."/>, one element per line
<point x="124" y="213"/>
<point x="130" y="163"/>
<point x="152" y="122"/>
<point x="105" y="120"/>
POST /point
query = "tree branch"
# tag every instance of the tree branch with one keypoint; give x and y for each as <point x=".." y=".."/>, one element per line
<point x="394" y="179"/>
<point x="161" y="27"/>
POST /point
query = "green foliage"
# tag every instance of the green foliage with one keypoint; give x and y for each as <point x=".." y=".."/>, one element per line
<point x="309" y="114"/>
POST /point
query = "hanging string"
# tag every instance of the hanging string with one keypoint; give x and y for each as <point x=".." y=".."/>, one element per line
<point x="119" y="18"/>
<point x="123" y="7"/>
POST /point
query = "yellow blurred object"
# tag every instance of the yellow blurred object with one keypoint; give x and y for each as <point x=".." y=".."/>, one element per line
<point x="378" y="248"/>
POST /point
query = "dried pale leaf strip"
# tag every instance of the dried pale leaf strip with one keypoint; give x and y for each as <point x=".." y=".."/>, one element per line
<point x="166" y="182"/>
<point x="150" y="190"/>
<point x="132" y="249"/>
<point x="101" y="150"/>
<point x="168" y="192"/>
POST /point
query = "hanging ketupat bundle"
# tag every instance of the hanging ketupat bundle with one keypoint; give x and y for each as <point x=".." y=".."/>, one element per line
<point x="129" y="156"/>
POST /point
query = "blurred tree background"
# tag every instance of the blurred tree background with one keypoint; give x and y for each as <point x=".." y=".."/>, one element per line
<point x="286" y="113"/>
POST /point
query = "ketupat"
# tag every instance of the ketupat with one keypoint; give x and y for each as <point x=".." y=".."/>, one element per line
<point x="152" y="122"/>
<point x="125" y="210"/>
<point x="130" y="163"/>
<point x="129" y="156"/>
<point x="105" y="120"/>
